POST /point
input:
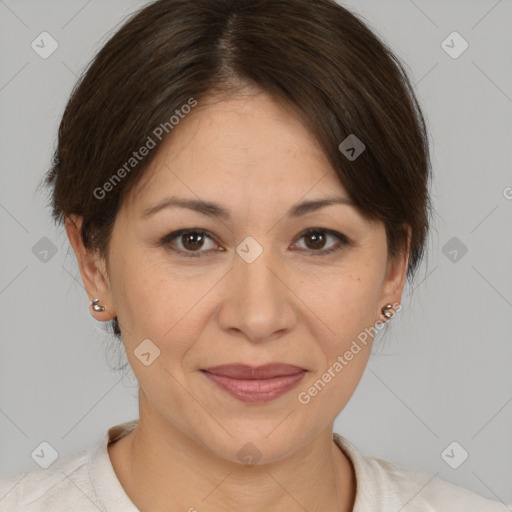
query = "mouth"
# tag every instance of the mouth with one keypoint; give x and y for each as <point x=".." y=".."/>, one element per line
<point x="255" y="384"/>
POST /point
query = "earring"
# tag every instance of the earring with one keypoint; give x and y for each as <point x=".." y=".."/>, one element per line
<point x="386" y="311"/>
<point x="96" y="306"/>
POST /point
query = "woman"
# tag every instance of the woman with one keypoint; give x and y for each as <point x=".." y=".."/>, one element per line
<point x="245" y="186"/>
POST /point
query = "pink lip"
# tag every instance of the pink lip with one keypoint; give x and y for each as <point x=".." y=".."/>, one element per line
<point x="256" y="384"/>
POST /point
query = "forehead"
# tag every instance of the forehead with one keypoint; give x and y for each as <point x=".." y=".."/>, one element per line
<point x="250" y="142"/>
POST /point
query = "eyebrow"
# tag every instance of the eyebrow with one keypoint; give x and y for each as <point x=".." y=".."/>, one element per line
<point x="211" y="209"/>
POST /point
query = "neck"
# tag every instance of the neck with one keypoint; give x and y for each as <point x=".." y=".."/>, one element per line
<point x="162" y="468"/>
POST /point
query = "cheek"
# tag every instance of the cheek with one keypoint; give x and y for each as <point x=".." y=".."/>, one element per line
<point x="158" y="302"/>
<point x="347" y="351"/>
<point x="348" y="307"/>
<point x="349" y="300"/>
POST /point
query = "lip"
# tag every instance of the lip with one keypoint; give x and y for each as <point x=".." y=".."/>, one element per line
<point x="256" y="384"/>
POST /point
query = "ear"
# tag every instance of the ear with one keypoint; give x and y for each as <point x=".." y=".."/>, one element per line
<point x="394" y="281"/>
<point x="92" y="269"/>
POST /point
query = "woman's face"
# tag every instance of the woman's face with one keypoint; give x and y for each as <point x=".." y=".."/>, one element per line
<point x="253" y="289"/>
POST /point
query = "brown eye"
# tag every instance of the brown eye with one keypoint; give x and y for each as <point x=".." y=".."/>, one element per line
<point x="192" y="241"/>
<point x="189" y="241"/>
<point x="316" y="239"/>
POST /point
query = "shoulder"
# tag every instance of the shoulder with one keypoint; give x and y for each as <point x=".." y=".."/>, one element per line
<point x="65" y="485"/>
<point x="423" y="491"/>
<point x="386" y="486"/>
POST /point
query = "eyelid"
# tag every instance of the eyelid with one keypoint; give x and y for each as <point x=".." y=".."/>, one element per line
<point x="332" y="232"/>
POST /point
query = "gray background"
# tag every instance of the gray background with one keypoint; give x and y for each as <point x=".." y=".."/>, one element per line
<point x="442" y="374"/>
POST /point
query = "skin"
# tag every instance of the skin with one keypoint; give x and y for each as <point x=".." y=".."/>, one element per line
<point x="254" y="157"/>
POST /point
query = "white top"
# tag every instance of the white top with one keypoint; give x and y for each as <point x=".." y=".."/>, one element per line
<point x="86" y="481"/>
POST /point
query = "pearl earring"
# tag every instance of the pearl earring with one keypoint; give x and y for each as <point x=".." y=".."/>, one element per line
<point x="96" y="306"/>
<point x="386" y="311"/>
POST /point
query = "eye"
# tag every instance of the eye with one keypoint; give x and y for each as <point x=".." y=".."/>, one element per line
<point x="316" y="239"/>
<point x="188" y="241"/>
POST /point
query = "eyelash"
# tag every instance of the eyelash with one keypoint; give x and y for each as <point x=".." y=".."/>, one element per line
<point x="343" y="241"/>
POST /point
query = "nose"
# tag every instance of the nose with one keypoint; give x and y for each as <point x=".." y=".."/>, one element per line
<point x="258" y="303"/>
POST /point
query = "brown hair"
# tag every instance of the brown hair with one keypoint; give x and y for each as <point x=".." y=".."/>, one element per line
<point x="312" y="55"/>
